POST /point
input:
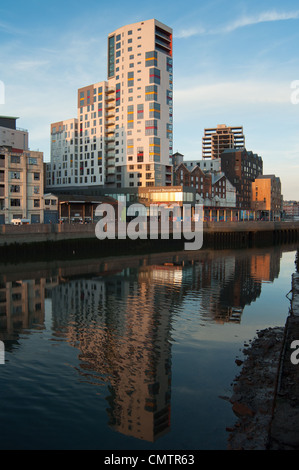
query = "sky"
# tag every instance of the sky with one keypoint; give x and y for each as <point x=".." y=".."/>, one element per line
<point x="235" y="63"/>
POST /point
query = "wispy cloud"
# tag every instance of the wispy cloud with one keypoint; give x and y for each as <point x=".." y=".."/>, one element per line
<point x="234" y="93"/>
<point x="265" y="17"/>
<point x="187" y="33"/>
<point x="29" y="65"/>
<point x="10" y="29"/>
<point x="246" y="20"/>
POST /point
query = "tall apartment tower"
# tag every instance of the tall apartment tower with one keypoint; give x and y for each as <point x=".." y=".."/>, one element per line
<point x="216" y="140"/>
<point x="140" y="70"/>
<point x="124" y="136"/>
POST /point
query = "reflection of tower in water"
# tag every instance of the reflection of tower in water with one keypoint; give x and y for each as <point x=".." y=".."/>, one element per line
<point x="121" y="325"/>
<point x="140" y="403"/>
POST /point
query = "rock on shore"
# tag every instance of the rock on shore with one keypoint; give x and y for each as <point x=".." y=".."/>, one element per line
<point x="254" y="391"/>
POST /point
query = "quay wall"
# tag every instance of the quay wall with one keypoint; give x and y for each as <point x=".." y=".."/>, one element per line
<point x="52" y="232"/>
<point x="50" y="240"/>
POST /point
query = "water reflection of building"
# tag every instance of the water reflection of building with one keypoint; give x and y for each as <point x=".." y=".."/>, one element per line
<point x="121" y="321"/>
<point x="22" y="305"/>
<point x="265" y="266"/>
<point x="124" y="342"/>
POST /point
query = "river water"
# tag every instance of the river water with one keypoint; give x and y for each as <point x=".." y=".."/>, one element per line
<point x="132" y="352"/>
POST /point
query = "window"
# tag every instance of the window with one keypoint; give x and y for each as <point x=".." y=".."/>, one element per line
<point x="15" y="175"/>
<point x="130" y="117"/>
<point x="154" y="76"/>
<point x="154" y="110"/>
<point x="169" y="131"/>
<point x="130" y="79"/>
<point x="15" y="159"/>
<point x="151" y="127"/>
<point x="169" y="64"/>
<point x="111" y="42"/>
<point x="151" y="59"/>
<point x="15" y="188"/>
<point x="151" y="93"/>
<point x="36" y="176"/>
<point x="15" y="203"/>
<point x="168" y="97"/>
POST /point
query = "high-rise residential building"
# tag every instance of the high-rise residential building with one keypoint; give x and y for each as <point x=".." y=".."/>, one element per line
<point x="125" y="124"/>
<point x="140" y="70"/>
<point x="216" y="140"/>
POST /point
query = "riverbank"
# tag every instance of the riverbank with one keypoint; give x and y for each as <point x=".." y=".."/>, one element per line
<point x="265" y="395"/>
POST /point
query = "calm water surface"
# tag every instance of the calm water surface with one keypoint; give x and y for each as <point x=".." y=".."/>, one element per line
<point x="135" y="353"/>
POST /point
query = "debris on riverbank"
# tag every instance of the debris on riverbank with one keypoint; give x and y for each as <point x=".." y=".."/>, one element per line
<point x="254" y="391"/>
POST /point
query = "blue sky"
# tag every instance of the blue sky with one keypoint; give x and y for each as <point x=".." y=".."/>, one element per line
<point x="234" y="64"/>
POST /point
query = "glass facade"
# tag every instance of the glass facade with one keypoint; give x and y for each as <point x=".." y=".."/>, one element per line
<point x="111" y="51"/>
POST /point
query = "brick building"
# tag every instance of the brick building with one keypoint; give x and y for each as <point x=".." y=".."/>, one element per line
<point x="266" y="197"/>
<point x="241" y="167"/>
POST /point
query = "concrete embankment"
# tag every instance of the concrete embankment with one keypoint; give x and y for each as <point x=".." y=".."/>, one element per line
<point x="227" y="234"/>
<point x="266" y="393"/>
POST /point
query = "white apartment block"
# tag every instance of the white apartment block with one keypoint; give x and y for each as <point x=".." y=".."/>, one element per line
<point x="64" y="166"/>
<point x="125" y="124"/>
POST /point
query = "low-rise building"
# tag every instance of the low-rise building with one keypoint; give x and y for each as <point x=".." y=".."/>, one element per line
<point x="241" y="167"/>
<point x="50" y="206"/>
<point x="266" y="197"/>
<point x="12" y="136"/>
<point x="291" y="209"/>
<point x="21" y="185"/>
<point x="212" y="188"/>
